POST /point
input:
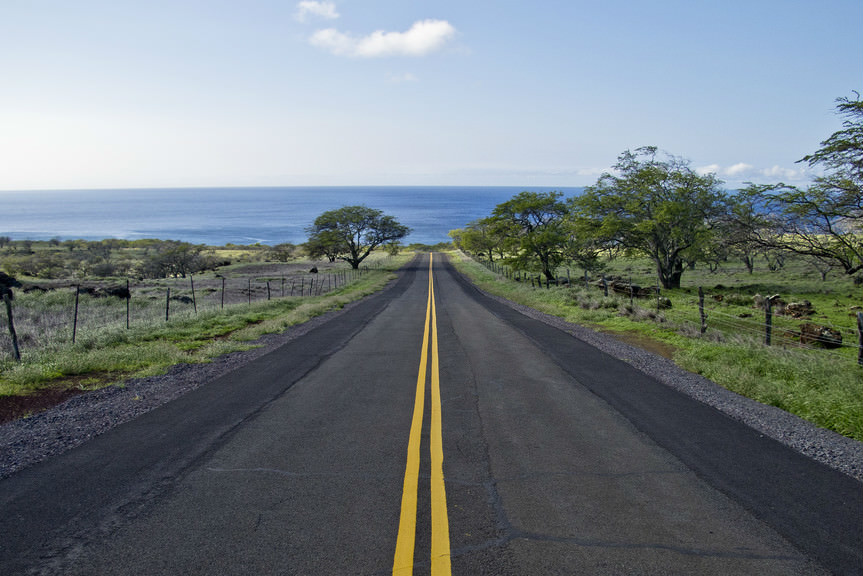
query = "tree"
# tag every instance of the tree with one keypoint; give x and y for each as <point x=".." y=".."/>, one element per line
<point x="743" y="231"/>
<point x="825" y="220"/>
<point x="660" y="207"/>
<point x="175" y="258"/>
<point x="351" y="233"/>
<point x="534" y="226"/>
<point x="483" y="237"/>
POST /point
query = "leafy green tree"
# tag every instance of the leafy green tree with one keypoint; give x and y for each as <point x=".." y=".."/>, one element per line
<point x="282" y="252"/>
<point x="325" y="244"/>
<point x="351" y="233"/>
<point x="174" y="258"/>
<point x="825" y="220"/>
<point x="660" y="207"/>
<point x="484" y="237"/>
<point x="533" y="226"/>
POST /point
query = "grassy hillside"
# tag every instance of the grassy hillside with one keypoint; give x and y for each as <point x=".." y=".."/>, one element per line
<point x="824" y="386"/>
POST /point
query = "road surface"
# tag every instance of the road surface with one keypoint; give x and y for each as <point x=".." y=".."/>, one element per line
<point x="431" y="430"/>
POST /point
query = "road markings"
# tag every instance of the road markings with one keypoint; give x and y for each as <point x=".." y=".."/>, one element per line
<point x="440" y="546"/>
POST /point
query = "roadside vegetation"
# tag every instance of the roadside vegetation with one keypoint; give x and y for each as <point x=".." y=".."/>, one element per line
<point x="780" y="269"/>
<point x="824" y="386"/>
<point x="266" y="293"/>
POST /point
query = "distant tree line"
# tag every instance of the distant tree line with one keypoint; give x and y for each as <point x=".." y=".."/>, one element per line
<point x="654" y="204"/>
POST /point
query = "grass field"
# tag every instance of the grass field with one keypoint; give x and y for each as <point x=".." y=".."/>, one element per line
<point x="820" y="385"/>
<point x="106" y="351"/>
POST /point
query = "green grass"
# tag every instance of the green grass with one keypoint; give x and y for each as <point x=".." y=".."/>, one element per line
<point x="822" y="386"/>
<point x="106" y="355"/>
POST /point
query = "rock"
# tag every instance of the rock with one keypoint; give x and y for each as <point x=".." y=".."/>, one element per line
<point x="822" y="335"/>
<point x="799" y="309"/>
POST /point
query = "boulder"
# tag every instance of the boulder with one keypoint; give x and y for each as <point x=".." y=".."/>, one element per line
<point x="799" y="309"/>
<point x="821" y="335"/>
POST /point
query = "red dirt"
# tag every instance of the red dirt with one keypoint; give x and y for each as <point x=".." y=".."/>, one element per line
<point x="15" y="407"/>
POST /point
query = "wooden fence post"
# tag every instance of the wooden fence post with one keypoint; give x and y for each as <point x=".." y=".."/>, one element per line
<point x="250" y="291"/>
<point x="7" y="298"/>
<point x="223" y="292"/>
<point x="75" y="320"/>
<point x="268" y="290"/>
<point x="701" y="310"/>
<point x="194" y="300"/>
<point x="768" y="321"/>
<point x="128" y="301"/>
<point x="859" y="337"/>
<point x="167" y="304"/>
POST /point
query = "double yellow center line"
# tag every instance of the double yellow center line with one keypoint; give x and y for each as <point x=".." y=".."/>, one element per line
<point x="440" y="551"/>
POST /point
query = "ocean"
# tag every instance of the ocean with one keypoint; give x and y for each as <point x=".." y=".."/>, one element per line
<point x="220" y="216"/>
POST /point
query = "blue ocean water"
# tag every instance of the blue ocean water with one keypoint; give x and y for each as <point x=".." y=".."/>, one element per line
<point x="219" y="216"/>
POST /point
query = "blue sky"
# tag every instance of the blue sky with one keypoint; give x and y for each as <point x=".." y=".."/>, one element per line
<point x="121" y="93"/>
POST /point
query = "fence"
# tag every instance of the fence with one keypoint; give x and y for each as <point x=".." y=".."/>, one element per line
<point x="699" y="316"/>
<point x="43" y="318"/>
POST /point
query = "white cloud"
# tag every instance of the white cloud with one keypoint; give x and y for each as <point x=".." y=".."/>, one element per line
<point x="326" y="10"/>
<point x="784" y="173"/>
<point x="422" y="38"/>
<point x="746" y="172"/>
<point x="709" y="169"/>
<point x="737" y="170"/>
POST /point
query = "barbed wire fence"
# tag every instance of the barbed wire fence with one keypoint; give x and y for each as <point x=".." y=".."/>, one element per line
<point x="697" y="316"/>
<point x="50" y="318"/>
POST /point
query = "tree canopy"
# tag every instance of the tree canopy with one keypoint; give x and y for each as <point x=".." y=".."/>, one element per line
<point x="534" y="223"/>
<point x="351" y="233"/>
<point x="655" y="204"/>
<point x="660" y="207"/>
<point x="825" y="220"/>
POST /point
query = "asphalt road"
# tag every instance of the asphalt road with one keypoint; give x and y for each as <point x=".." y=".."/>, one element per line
<point x="557" y="459"/>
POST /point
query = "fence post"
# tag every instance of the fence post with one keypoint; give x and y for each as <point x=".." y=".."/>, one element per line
<point x="701" y="310"/>
<point x="250" y="291"/>
<point x="268" y="290"/>
<point x="631" y="295"/>
<point x="768" y="321"/>
<point x="128" y="300"/>
<point x="859" y="337"/>
<point x="604" y="286"/>
<point x="7" y="298"/>
<point x="194" y="300"/>
<point x="223" y="292"/>
<point x="75" y="320"/>
<point x="167" y="304"/>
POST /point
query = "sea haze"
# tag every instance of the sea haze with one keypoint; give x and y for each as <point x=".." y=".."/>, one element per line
<point x="219" y="216"/>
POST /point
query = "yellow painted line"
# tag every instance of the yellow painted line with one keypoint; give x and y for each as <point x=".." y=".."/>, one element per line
<point x="440" y="550"/>
<point x="405" y="542"/>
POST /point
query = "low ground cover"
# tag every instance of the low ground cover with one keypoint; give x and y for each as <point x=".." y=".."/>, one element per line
<point x="106" y="351"/>
<point x="824" y="386"/>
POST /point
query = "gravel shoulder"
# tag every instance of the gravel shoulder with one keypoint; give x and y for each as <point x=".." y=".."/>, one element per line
<point x="28" y="441"/>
